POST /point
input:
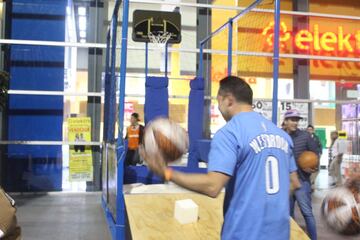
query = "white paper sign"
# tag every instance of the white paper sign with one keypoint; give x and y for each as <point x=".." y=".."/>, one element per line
<point x="265" y="109"/>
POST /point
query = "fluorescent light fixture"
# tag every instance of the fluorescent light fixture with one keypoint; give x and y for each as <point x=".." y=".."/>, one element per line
<point x="68" y="10"/>
<point x="82" y="23"/>
<point x="82" y="40"/>
<point x="82" y="11"/>
<point x="82" y="34"/>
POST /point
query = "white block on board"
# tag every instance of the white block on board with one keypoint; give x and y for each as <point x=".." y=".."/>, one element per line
<point x="186" y="211"/>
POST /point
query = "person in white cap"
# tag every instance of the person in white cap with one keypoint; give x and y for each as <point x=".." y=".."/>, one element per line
<point x="302" y="142"/>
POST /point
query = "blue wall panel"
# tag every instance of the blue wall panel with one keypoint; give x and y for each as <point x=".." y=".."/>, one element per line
<point x="53" y="7"/>
<point x="26" y="102"/>
<point x="35" y="30"/>
<point x="35" y="152"/>
<point x="31" y="127"/>
<point x="36" y="118"/>
<point x="41" y="53"/>
<point x="37" y="78"/>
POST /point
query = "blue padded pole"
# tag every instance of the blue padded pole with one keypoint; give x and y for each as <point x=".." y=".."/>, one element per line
<point x="201" y="61"/>
<point x="146" y="59"/>
<point x="276" y="62"/>
<point x="230" y="46"/>
<point x="166" y="59"/>
<point x="120" y="203"/>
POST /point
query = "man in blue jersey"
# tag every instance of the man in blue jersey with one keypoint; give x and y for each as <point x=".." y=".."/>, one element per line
<point x="302" y="142"/>
<point x="254" y="160"/>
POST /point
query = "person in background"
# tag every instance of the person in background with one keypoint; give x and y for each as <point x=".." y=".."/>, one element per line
<point x="333" y="137"/>
<point x="310" y="129"/>
<point x="253" y="159"/>
<point x="302" y="142"/>
<point x="336" y="152"/>
<point x="134" y="135"/>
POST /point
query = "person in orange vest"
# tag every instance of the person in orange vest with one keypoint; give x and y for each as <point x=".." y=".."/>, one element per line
<point x="134" y="135"/>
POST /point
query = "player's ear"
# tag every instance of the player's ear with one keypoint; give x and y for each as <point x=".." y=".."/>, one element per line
<point x="230" y="100"/>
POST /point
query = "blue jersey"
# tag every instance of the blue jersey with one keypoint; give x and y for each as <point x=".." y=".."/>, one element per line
<point x="259" y="158"/>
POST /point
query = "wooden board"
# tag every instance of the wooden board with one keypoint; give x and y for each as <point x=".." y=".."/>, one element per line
<point x="297" y="232"/>
<point x="150" y="216"/>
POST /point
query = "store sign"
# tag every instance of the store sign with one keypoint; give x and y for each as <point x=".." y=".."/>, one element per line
<point x="305" y="39"/>
<point x="265" y="109"/>
<point x="80" y="159"/>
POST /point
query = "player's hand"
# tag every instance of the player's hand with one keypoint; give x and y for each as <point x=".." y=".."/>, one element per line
<point x="155" y="162"/>
<point x="310" y="170"/>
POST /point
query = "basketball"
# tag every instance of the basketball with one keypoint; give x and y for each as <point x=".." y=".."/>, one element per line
<point x="167" y="137"/>
<point x="308" y="159"/>
<point x="340" y="208"/>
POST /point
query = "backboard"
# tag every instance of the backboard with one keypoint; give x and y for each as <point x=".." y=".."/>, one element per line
<point x="156" y="22"/>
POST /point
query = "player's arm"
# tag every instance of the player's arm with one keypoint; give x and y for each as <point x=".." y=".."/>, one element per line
<point x="222" y="161"/>
<point x="209" y="184"/>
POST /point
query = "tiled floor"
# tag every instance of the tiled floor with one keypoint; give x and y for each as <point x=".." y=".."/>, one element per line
<point x="62" y="216"/>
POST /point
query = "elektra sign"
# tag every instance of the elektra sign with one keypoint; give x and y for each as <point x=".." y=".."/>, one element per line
<point x="304" y="39"/>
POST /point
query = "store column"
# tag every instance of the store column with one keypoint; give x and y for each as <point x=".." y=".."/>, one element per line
<point x="301" y="67"/>
<point x="96" y="34"/>
<point x="202" y="31"/>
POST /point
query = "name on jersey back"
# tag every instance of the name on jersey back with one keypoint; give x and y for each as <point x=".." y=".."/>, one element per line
<point x="264" y="141"/>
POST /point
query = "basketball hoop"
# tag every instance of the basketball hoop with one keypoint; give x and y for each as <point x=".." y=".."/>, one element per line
<point x="160" y="40"/>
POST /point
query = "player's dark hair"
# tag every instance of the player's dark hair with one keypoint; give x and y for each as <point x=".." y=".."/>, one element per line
<point x="238" y="88"/>
<point x="310" y="126"/>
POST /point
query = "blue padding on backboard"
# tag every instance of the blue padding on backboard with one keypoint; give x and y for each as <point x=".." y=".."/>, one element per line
<point x="197" y="84"/>
<point x="195" y="119"/>
<point x="157" y="82"/>
<point x="156" y="98"/>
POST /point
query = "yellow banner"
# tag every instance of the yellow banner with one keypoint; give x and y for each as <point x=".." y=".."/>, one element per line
<point x="80" y="164"/>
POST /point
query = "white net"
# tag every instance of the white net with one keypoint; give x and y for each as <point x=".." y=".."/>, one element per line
<point x="159" y="40"/>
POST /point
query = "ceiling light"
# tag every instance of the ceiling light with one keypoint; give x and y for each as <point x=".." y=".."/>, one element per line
<point x="82" y="34"/>
<point x="82" y="23"/>
<point x="68" y="10"/>
<point x="82" y="11"/>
